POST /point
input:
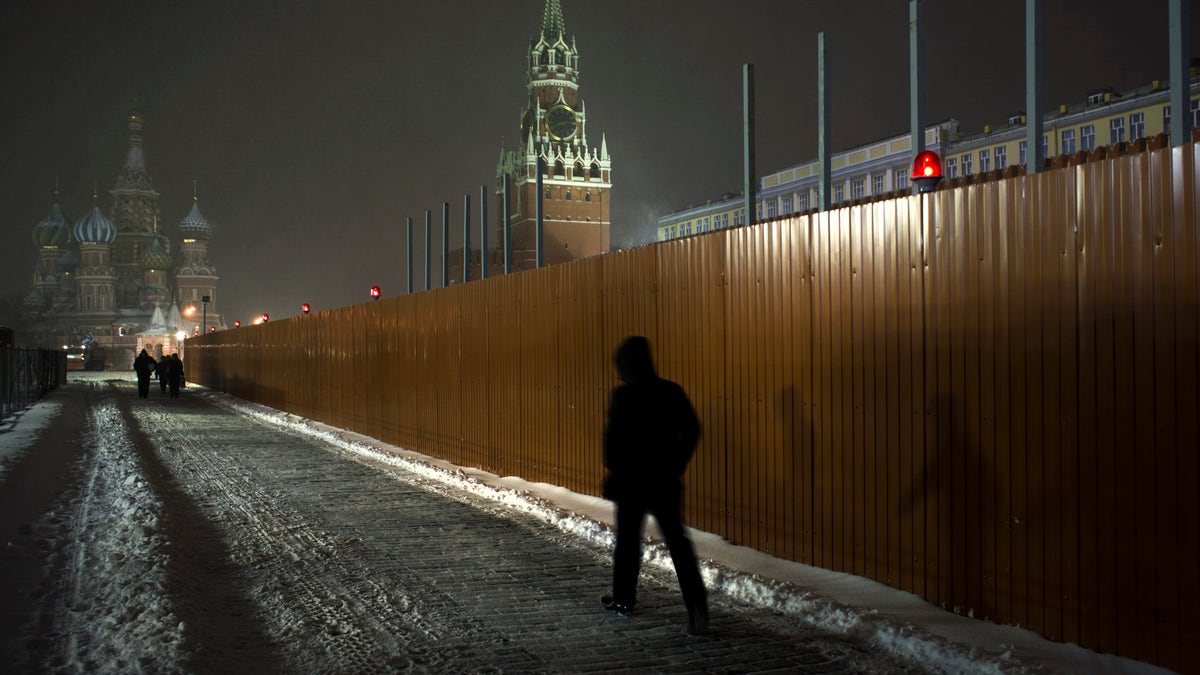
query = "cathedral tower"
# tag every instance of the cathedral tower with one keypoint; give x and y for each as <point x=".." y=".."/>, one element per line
<point x="576" y="176"/>
<point x="134" y="213"/>
<point x="196" y="276"/>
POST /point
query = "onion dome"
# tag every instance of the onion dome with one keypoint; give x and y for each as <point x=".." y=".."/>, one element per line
<point x="54" y="228"/>
<point x="195" y="225"/>
<point x="95" y="228"/>
<point x="155" y="257"/>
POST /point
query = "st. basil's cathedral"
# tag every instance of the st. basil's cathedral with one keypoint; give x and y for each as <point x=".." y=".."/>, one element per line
<point x="116" y="283"/>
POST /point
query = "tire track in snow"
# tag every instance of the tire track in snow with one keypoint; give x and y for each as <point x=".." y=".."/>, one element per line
<point x="115" y="614"/>
<point x="321" y="599"/>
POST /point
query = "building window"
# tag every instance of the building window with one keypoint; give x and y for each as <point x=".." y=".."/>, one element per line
<point x="1116" y="130"/>
<point x="686" y="229"/>
<point x="567" y="196"/>
<point x="985" y="161"/>
<point x="739" y="217"/>
<point x="1087" y="137"/>
<point x="952" y="167"/>
<point x="772" y="208"/>
<point x="547" y="195"/>
<point x="839" y="193"/>
<point x="803" y="201"/>
<point x="877" y="186"/>
<point x="1167" y="118"/>
<point x="671" y="232"/>
<point x="587" y="196"/>
<point x="1137" y="125"/>
<point x="1023" y="152"/>
<point x="856" y="188"/>
<point x="787" y="205"/>
<point x="901" y="179"/>
<point x="966" y="164"/>
<point x="1068" y="141"/>
<point x="1001" y="154"/>
<point x="1196" y="113"/>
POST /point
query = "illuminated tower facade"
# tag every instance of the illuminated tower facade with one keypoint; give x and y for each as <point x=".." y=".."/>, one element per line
<point x="576" y="176"/>
<point x="134" y="213"/>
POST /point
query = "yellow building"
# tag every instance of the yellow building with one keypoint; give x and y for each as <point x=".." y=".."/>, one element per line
<point x="1107" y="118"/>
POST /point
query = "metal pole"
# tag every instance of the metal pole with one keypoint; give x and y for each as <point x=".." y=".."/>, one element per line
<point x="916" y="84"/>
<point x="466" y="238"/>
<point x="749" y="183"/>
<point x="1181" y="114"/>
<point x="507" y="224"/>
<point x="1034" y="156"/>
<point x="445" y="244"/>
<point x="538" y="222"/>
<point x="824" y="161"/>
<point x="408" y="253"/>
<point x="483" y="228"/>
<point x="428" y="229"/>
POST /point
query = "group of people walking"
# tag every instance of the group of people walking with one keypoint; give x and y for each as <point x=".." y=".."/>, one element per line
<point x="168" y="370"/>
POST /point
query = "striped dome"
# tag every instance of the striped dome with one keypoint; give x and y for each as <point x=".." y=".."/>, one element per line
<point x="195" y="225"/>
<point x="95" y="228"/>
<point x="54" y="228"/>
<point x="155" y="257"/>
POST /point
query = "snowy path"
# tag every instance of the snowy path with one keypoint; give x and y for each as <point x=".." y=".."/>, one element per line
<point x="202" y="540"/>
<point x="209" y="534"/>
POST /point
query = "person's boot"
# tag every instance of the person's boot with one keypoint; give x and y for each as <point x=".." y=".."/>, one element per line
<point x="612" y="605"/>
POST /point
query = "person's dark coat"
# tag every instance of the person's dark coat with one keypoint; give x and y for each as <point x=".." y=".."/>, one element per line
<point x="144" y="366"/>
<point x="652" y="428"/>
<point x="174" y="374"/>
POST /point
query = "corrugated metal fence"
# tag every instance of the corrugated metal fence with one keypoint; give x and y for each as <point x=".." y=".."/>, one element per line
<point x="987" y="396"/>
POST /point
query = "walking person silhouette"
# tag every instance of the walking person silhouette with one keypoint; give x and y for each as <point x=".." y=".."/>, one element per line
<point x="649" y="438"/>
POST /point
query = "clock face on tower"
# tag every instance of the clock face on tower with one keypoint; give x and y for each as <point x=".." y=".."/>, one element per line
<point x="561" y="122"/>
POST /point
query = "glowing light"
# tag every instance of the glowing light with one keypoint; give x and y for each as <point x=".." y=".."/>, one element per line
<point x="237" y="324"/>
<point x="375" y="292"/>
<point x="180" y="335"/>
<point x="266" y="317"/>
<point x="305" y="308"/>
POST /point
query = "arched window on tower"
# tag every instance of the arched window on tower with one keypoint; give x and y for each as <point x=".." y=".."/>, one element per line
<point x="559" y="170"/>
<point x="578" y="170"/>
<point x="547" y="194"/>
<point x="567" y="195"/>
<point x="587" y="196"/>
<point x="595" y="174"/>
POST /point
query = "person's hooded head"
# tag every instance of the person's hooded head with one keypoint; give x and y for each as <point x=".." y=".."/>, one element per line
<point x="143" y="353"/>
<point x="633" y="361"/>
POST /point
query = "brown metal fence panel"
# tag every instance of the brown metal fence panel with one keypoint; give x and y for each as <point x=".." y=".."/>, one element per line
<point x="988" y="395"/>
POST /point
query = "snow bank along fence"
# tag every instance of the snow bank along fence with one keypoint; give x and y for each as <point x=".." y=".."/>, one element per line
<point x="28" y="374"/>
<point x="987" y="396"/>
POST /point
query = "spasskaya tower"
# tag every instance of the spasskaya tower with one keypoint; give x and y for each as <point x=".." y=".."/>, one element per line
<point x="576" y="176"/>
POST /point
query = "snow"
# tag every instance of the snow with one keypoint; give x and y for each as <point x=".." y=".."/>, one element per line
<point x="116" y="559"/>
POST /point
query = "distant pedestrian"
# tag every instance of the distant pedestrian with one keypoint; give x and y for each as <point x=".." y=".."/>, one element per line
<point x="144" y="366"/>
<point x="174" y="374"/>
<point x="649" y="438"/>
<point x="160" y="371"/>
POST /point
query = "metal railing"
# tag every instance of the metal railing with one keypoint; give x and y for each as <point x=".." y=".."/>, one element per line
<point x="27" y="374"/>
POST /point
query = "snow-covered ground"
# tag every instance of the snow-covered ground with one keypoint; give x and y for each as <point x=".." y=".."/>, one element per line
<point x="116" y="560"/>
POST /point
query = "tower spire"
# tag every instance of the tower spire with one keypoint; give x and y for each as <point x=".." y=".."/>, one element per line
<point x="553" y="26"/>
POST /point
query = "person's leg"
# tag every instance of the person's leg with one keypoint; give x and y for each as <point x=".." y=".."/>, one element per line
<point x="627" y="558"/>
<point x="687" y="569"/>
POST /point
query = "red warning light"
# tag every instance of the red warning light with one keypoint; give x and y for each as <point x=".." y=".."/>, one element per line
<point x="375" y="292"/>
<point x="927" y="170"/>
<point x="305" y="308"/>
<point x="266" y="317"/>
<point x="237" y="324"/>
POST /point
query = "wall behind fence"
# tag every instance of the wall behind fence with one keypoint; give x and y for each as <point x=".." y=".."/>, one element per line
<point x="987" y="396"/>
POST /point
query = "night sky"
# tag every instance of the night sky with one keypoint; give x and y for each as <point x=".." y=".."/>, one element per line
<point x="315" y="128"/>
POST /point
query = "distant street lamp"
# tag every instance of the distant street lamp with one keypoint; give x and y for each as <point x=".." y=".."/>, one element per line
<point x="204" y="316"/>
<point x="375" y="292"/>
